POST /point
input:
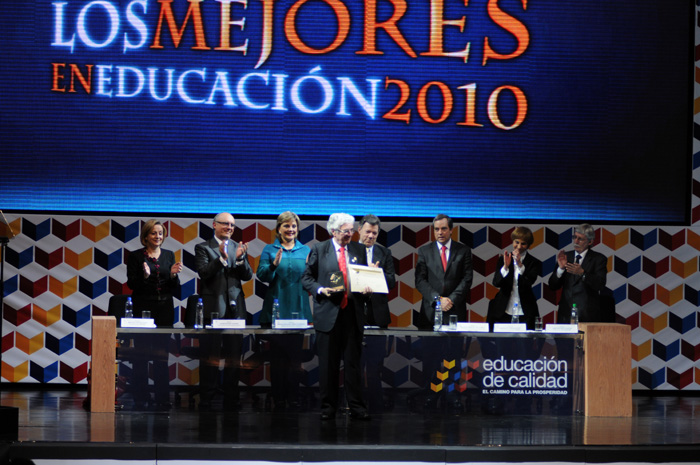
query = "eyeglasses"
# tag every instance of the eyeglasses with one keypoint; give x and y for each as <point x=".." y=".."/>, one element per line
<point x="345" y="231"/>
<point x="224" y="223"/>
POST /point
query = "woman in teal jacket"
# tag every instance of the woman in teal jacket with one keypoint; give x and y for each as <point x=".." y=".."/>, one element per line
<point x="281" y="265"/>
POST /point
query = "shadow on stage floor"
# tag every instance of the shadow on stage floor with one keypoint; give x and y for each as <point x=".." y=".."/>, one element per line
<point x="54" y="424"/>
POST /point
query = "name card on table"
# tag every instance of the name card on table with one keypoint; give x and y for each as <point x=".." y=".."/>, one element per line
<point x="509" y="328"/>
<point x="467" y="328"/>
<point x="228" y="324"/>
<point x="138" y="323"/>
<point x="561" y="328"/>
<point x="292" y="324"/>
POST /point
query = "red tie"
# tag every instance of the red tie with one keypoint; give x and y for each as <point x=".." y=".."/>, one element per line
<point x="344" y="269"/>
<point x="443" y="256"/>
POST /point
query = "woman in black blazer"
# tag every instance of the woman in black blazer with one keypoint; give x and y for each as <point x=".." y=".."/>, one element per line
<point x="152" y="276"/>
<point x="501" y="308"/>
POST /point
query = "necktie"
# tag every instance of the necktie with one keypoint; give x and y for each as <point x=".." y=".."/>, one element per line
<point x="443" y="257"/>
<point x="578" y="259"/>
<point x="344" y="269"/>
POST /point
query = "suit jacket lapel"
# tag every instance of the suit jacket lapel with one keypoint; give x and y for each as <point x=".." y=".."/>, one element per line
<point x="214" y="247"/>
<point x="332" y="255"/>
<point x="357" y="253"/>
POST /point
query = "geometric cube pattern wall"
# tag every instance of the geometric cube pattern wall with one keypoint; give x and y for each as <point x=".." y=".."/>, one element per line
<point x="60" y="270"/>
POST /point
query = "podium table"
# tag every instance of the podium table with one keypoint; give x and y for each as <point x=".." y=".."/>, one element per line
<point x="608" y="369"/>
<point x="590" y="372"/>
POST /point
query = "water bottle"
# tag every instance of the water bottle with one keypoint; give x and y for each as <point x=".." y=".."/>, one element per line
<point x="515" y="318"/>
<point x="199" y="315"/>
<point x="574" y="315"/>
<point x="437" y="322"/>
<point x="275" y="312"/>
<point x="129" y="308"/>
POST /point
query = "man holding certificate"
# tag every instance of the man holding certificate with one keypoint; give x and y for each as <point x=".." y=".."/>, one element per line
<point x="376" y="312"/>
<point x="338" y="315"/>
<point x="377" y="306"/>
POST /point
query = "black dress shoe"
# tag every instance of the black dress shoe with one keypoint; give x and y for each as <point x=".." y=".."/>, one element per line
<point x="162" y="406"/>
<point x="327" y="416"/>
<point x="141" y="404"/>
<point x="456" y="407"/>
<point x="430" y="403"/>
<point x="204" y="407"/>
<point x="232" y="406"/>
<point x="361" y="416"/>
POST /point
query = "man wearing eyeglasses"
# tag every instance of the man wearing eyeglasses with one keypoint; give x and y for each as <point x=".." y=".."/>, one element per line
<point x="338" y="316"/>
<point x="222" y="266"/>
<point x="581" y="274"/>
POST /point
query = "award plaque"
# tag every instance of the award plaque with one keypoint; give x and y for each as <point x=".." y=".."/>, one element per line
<point x="337" y="282"/>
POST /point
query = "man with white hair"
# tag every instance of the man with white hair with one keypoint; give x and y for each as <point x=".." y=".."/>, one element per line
<point x="338" y="315"/>
<point x="581" y="274"/>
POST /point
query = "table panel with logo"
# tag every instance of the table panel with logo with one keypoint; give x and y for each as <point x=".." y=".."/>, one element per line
<point x="451" y="372"/>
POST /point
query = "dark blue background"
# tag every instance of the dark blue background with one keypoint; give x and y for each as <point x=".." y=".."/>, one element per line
<point x="606" y="137"/>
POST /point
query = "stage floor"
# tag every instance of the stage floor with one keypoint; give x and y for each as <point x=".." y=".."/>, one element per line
<point x="56" y="418"/>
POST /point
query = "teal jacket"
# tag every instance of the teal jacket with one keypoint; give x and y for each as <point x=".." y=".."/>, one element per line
<point x="284" y="281"/>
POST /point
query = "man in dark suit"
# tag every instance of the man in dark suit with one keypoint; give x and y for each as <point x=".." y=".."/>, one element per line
<point x="515" y="275"/>
<point x="581" y="274"/>
<point x="376" y="312"/>
<point x="377" y="306"/>
<point x="222" y="266"/>
<point x="443" y="271"/>
<point x="338" y="316"/>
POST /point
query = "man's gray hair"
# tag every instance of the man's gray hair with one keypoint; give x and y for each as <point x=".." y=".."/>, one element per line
<point x="587" y="230"/>
<point x="336" y="220"/>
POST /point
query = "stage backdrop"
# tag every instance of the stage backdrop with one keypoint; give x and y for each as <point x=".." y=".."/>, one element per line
<point x="63" y="269"/>
<point x="541" y="110"/>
